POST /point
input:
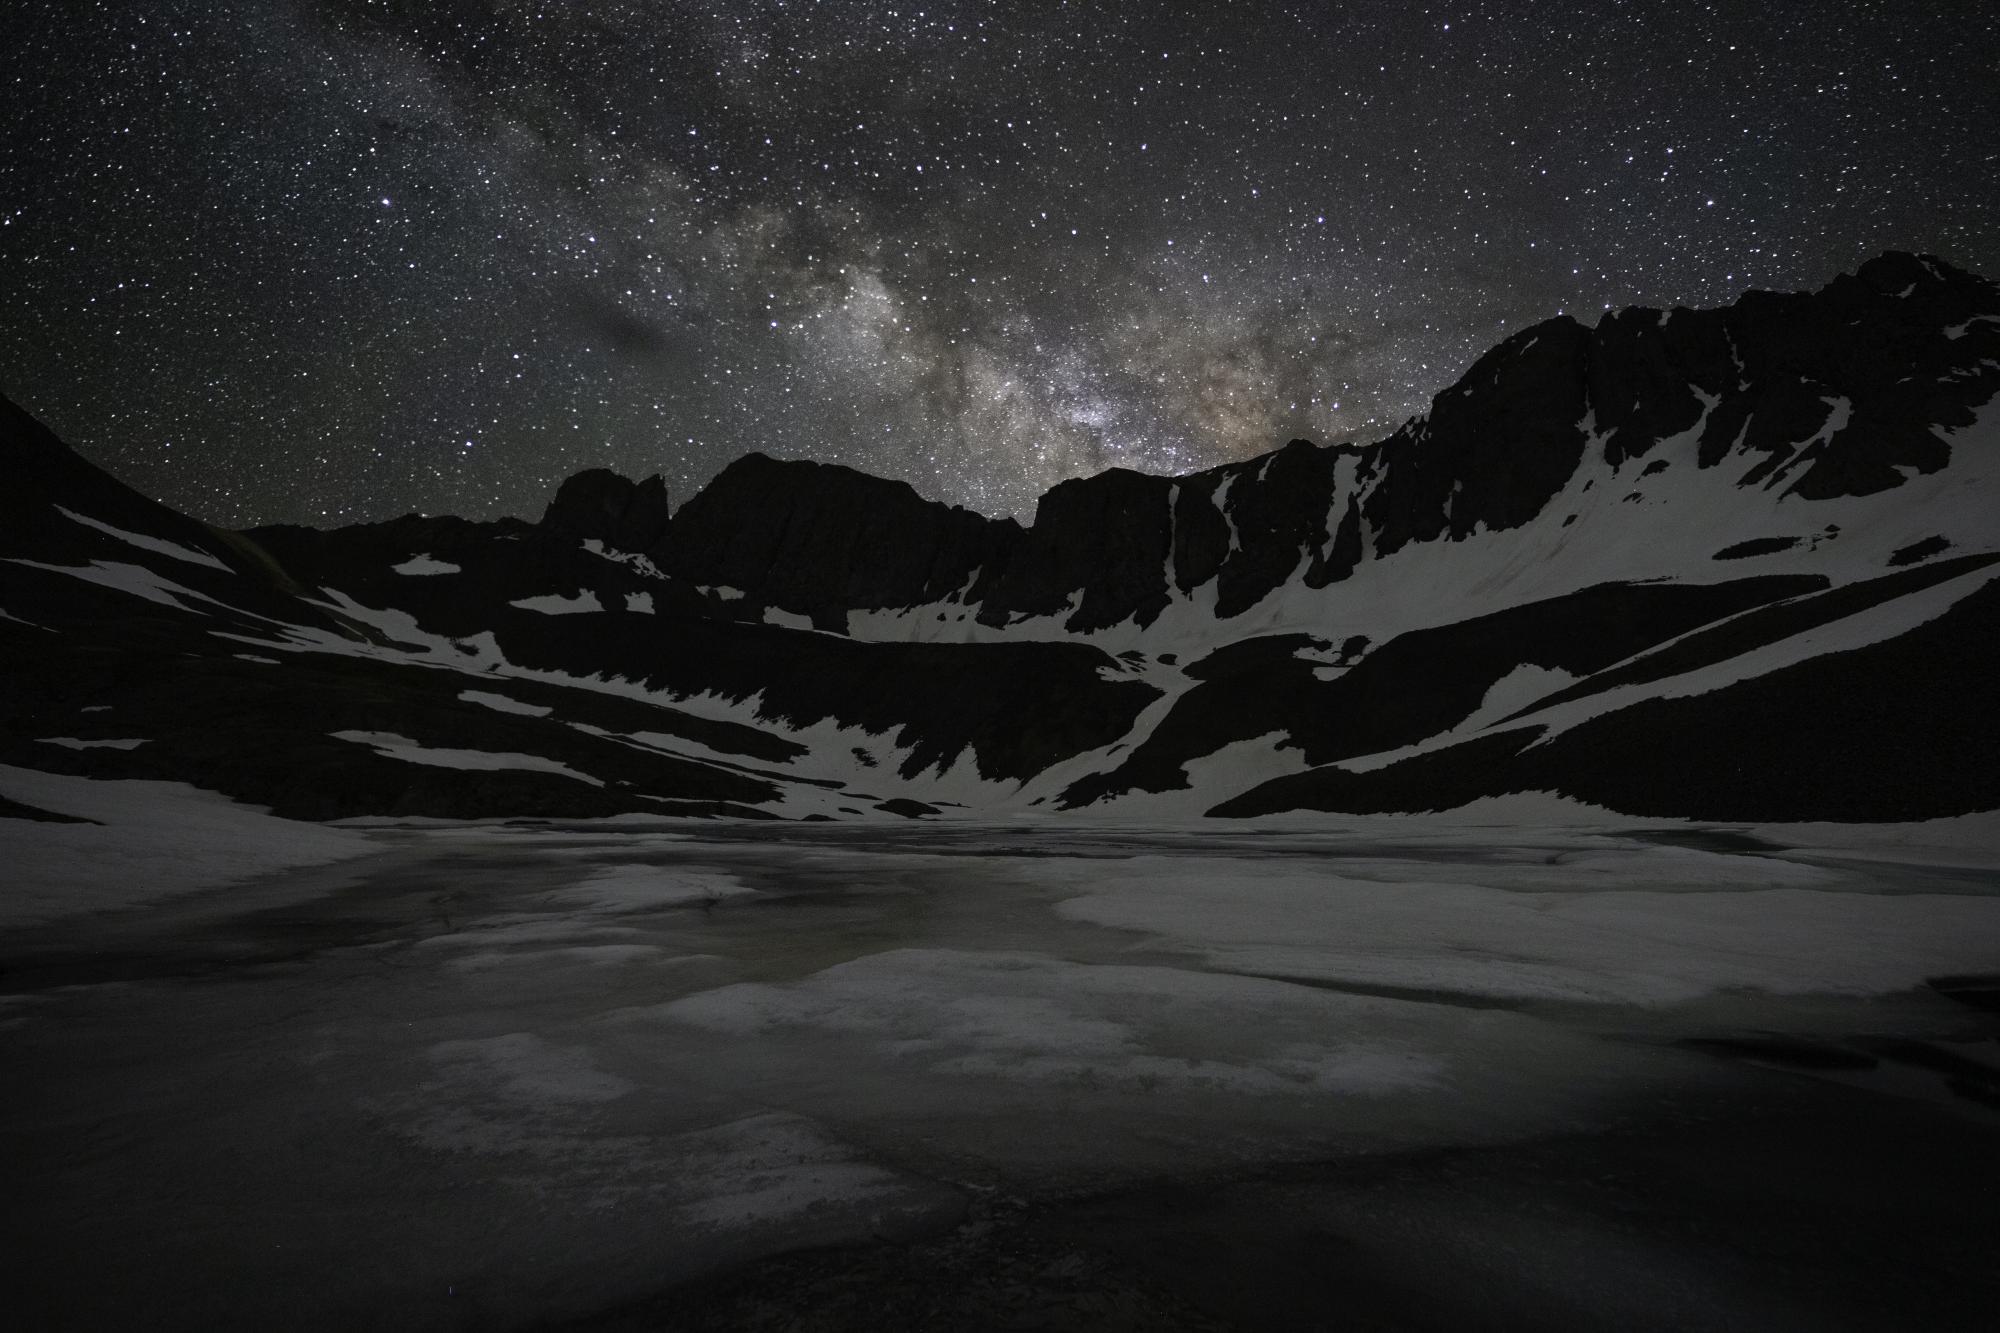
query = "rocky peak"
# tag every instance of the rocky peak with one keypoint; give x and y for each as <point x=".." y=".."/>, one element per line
<point x="1106" y="536"/>
<point x="1496" y="446"/>
<point x="623" y="514"/>
<point x="820" y="538"/>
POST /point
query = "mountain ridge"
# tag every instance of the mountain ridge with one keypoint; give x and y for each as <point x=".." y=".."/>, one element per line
<point x="1495" y="448"/>
<point x="1598" y="541"/>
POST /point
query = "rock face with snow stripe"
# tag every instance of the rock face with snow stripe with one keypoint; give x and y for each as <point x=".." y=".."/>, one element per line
<point x="491" y="566"/>
<point x="76" y="543"/>
<point x="1104" y="541"/>
<point x="1901" y="728"/>
<point x="1011" y="710"/>
<point x="1736" y="563"/>
<point x="1496" y="448"/>
<point x="1417" y="685"/>
<point x="259" y="686"/>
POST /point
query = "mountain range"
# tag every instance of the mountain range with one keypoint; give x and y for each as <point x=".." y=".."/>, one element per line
<point x="1731" y="564"/>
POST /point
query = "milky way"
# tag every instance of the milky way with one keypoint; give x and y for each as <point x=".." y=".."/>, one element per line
<point x="283" y="260"/>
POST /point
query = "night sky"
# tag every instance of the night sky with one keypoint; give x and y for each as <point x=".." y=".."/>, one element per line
<point x="329" y="260"/>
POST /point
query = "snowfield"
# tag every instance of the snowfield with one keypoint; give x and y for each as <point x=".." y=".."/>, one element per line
<point x="135" y="842"/>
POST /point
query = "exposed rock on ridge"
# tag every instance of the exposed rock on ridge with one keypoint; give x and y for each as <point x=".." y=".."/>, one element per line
<point x="1835" y="393"/>
<point x="623" y="514"/>
<point x="820" y="539"/>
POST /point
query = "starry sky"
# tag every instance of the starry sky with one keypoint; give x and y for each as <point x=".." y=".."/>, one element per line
<point x="329" y="261"/>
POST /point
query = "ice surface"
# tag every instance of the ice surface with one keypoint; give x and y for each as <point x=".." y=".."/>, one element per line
<point x="72" y="743"/>
<point x="1968" y="841"/>
<point x="392" y="746"/>
<point x="1667" y="926"/>
<point x="503" y="1074"/>
<point x="525" y="1068"/>
<point x="648" y="888"/>
<point x="1042" y="1020"/>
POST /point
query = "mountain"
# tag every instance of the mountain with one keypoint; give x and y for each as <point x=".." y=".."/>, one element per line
<point x="1732" y="564"/>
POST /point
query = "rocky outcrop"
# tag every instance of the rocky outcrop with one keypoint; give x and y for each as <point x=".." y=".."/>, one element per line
<point x="625" y="515"/>
<point x="818" y="539"/>
<point x="1099" y="542"/>
<point x="1495" y="448"/>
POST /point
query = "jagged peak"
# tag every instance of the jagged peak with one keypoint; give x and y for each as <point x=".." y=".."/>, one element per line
<point x="610" y="507"/>
<point x="1897" y="270"/>
<point x="807" y="476"/>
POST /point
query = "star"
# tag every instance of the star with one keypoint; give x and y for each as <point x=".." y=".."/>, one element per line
<point x="1001" y="244"/>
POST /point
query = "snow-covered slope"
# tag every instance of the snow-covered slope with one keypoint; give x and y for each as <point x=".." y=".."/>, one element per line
<point x="1729" y="564"/>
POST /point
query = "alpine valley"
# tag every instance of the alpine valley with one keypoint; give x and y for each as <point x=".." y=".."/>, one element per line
<point x="1734" y="564"/>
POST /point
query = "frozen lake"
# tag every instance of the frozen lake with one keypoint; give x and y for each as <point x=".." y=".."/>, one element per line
<point x="1407" y="1075"/>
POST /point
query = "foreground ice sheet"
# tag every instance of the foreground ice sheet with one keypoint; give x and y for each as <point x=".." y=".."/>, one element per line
<point x="135" y="842"/>
<point x="489" y="1075"/>
<point x="1596" y="924"/>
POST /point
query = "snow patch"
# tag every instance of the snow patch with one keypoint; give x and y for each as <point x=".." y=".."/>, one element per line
<point x="8" y="615"/>
<point x="150" y="840"/>
<point x="137" y="580"/>
<point x="500" y="703"/>
<point x="424" y="565"/>
<point x="555" y="604"/>
<point x="391" y="746"/>
<point x="145" y="543"/>
<point x="1514" y="691"/>
<point x="1213" y="778"/>
<point x="630" y="560"/>
<point x="788" y="619"/>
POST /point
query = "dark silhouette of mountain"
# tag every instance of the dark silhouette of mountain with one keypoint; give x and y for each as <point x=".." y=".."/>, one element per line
<point x="1730" y="564"/>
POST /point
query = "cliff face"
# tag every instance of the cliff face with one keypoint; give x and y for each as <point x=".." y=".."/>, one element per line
<point x="819" y="539"/>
